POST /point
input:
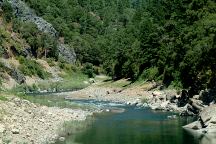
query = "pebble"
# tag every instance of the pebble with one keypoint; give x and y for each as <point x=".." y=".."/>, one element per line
<point x="61" y="139"/>
<point x="2" y="128"/>
<point x="15" y="131"/>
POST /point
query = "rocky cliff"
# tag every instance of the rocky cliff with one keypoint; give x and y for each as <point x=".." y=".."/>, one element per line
<point x="22" y="11"/>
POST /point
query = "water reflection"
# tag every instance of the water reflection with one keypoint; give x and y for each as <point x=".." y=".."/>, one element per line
<point x="135" y="126"/>
<point x="203" y="138"/>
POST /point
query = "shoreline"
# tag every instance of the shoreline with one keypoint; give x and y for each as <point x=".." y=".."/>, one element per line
<point x="26" y="122"/>
<point x="161" y="100"/>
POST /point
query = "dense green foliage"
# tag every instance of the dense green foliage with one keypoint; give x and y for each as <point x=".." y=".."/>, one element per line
<point x="31" y="67"/>
<point x="8" y="11"/>
<point x="171" y="41"/>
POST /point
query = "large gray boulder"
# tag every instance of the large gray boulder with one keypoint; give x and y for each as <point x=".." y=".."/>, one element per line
<point x="206" y="122"/>
<point x="66" y="53"/>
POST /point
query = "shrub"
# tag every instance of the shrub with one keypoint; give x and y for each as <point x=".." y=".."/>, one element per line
<point x="31" y="67"/>
<point x="150" y="74"/>
<point x="51" y="62"/>
<point x="88" y="69"/>
<point x="8" y="11"/>
<point x="68" y="67"/>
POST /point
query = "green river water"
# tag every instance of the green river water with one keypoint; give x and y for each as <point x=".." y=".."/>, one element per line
<point x="134" y="126"/>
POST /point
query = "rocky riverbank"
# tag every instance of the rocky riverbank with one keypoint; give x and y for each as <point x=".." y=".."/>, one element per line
<point x="24" y="122"/>
<point x="205" y="127"/>
<point x="149" y="95"/>
<point x="142" y="95"/>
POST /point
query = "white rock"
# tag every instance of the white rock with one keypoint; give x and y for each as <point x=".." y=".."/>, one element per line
<point x="107" y="110"/>
<point x="2" y="128"/>
<point x="62" y="139"/>
<point x="15" y="131"/>
<point x="157" y="93"/>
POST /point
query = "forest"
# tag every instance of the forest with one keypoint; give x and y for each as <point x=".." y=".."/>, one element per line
<point x="161" y="40"/>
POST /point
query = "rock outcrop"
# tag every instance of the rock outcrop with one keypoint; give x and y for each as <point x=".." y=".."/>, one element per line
<point x="13" y="72"/>
<point x="206" y="124"/>
<point x="66" y="53"/>
<point x="22" y="11"/>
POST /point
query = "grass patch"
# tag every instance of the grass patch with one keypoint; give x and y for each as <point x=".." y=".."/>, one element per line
<point x="55" y="101"/>
<point x="74" y="80"/>
<point x="72" y="128"/>
<point x="31" y="67"/>
<point x="123" y="83"/>
<point x="2" y="98"/>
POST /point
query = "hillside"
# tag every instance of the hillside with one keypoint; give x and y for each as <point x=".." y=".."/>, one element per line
<point x="30" y="54"/>
<point x="169" y="42"/>
<point x="172" y="42"/>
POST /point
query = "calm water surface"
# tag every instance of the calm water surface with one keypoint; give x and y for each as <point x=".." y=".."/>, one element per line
<point x="134" y="126"/>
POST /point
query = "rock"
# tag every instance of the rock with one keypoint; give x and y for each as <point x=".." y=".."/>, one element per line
<point x="107" y="110"/>
<point x="194" y="125"/>
<point x="170" y="95"/>
<point x="22" y="11"/>
<point x="157" y="93"/>
<point x="41" y="120"/>
<point x="196" y="97"/>
<point x="164" y="104"/>
<point x="61" y="139"/>
<point x="91" y="80"/>
<point x="207" y="114"/>
<point x="139" y="105"/>
<point x="207" y="96"/>
<point x="145" y="105"/>
<point x="172" y="117"/>
<point x="206" y="121"/>
<point x="66" y="53"/>
<point x="128" y="103"/>
<point x="183" y="99"/>
<point x="85" y="82"/>
<point x="2" y="128"/>
<point x="15" y="131"/>
<point x="17" y="75"/>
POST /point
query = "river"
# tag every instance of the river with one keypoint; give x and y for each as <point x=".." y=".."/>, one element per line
<point x="133" y="126"/>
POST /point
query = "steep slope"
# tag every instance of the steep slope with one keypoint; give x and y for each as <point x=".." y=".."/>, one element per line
<point x="22" y="11"/>
<point x="21" y="47"/>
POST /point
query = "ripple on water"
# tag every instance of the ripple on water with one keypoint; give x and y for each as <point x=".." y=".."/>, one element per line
<point x="133" y="126"/>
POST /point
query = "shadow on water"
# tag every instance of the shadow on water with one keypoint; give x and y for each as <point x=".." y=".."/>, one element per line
<point x="134" y="126"/>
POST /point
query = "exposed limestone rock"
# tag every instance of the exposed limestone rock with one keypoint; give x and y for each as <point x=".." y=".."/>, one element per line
<point x="22" y="11"/>
<point x="66" y="53"/>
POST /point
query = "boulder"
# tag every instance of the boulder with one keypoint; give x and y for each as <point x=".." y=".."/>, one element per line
<point x="208" y="115"/>
<point x="2" y="128"/>
<point x="62" y="139"/>
<point x="15" y="131"/>
<point x="206" y="122"/>
<point x="17" y="75"/>
<point x="66" y="53"/>
<point x="183" y="99"/>
<point x="207" y="96"/>
<point x="170" y="95"/>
